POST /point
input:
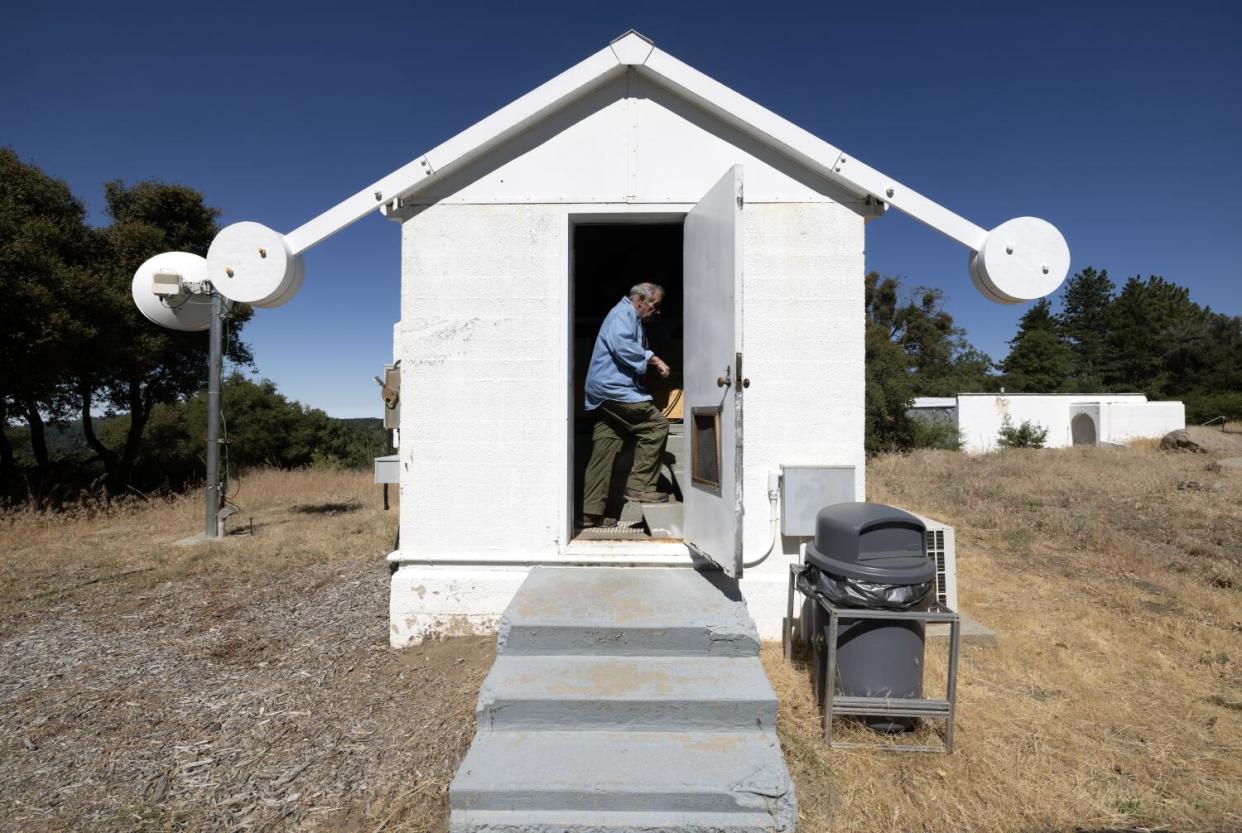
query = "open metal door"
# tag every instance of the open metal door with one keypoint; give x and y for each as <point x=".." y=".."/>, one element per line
<point x="712" y="272"/>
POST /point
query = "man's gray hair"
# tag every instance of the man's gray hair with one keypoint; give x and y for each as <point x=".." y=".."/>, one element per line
<point x="646" y="290"/>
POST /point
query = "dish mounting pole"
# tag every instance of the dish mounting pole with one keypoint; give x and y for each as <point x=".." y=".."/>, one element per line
<point x="215" y="365"/>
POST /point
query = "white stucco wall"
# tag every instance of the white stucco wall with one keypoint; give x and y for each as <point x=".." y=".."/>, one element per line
<point x="1139" y="420"/>
<point x="485" y="354"/>
<point x="1117" y="417"/>
<point x="485" y="390"/>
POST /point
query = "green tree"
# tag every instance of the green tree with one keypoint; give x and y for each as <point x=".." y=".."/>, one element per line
<point x="1202" y="365"/>
<point x="889" y="393"/>
<point x="913" y="348"/>
<point x="1144" y="316"/>
<point x="1084" y="323"/>
<point x="263" y="428"/>
<point x="122" y="360"/>
<point x="1027" y="435"/>
<point x="1039" y="361"/>
<point x="44" y="241"/>
<point x="941" y="361"/>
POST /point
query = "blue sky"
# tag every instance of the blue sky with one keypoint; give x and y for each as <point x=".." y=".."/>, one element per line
<point x="1119" y="122"/>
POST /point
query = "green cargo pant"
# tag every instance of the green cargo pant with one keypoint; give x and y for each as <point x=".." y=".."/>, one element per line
<point x="615" y="422"/>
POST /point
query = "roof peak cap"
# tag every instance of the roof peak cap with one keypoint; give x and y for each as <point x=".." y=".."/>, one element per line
<point x="632" y="48"/>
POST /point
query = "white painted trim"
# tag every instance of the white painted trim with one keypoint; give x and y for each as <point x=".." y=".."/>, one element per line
<point x="586" y="554"/>
<point x="621" y="56"/>
<point x="466" y="145"/>
<point x="805" y="147"/>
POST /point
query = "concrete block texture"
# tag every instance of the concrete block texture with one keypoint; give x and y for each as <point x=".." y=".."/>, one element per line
<point x="625" y="699"/>
<point x="627" y="611"/>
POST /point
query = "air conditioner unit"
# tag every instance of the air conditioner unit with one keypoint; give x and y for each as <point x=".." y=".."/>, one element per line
<point x="942" y="548"/>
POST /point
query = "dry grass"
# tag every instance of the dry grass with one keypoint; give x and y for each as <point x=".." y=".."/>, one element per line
<point x="245" y="685"/>
<point x="1114" y="697"/>
<point x="298" y="518"/>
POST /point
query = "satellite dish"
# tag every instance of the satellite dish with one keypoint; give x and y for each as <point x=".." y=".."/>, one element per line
<point x="160" y="291"/>
<point x="1021" y="260"/>
<point x="251" y="264"/>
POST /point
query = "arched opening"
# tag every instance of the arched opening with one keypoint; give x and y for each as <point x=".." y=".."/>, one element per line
<point x="1082" y="429"/>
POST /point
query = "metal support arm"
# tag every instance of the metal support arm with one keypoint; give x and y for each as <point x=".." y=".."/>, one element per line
<point x="1020" y="260"/>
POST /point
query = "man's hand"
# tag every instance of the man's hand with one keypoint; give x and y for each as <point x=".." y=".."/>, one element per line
<point x="660" y="366"/>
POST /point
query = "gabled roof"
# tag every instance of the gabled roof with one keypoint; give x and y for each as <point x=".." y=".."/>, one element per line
<point x="634" y="52"/>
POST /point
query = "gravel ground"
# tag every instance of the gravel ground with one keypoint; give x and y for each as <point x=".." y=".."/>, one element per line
<point x="193" y="705"/>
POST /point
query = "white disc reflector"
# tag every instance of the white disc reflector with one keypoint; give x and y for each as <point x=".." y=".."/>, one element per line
<point x="177" y="311"/>
<point x="981" y="284"/>
<point x="1021" y="260"/>
<point x="299" y="271"/>
<point x="250" y="263"/>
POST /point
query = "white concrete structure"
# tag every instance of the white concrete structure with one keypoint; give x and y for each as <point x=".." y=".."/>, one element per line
<point x="766" y="259"/>
<point x="487" y="326"/>
<point x="1071" y="418"/>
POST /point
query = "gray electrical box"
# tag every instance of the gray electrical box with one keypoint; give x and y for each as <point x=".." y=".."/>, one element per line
<point x="388" y="469"/>
<point x="807" y="489"/>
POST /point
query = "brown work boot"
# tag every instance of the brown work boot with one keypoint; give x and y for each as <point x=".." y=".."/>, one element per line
<point x="592" y="521"/>
<point x="646" y="497"/>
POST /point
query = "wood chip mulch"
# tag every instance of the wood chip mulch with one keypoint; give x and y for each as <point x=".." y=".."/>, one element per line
<point x="194" y="705"/>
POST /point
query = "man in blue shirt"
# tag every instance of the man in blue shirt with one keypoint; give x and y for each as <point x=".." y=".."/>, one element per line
<point x="622" y="406"/>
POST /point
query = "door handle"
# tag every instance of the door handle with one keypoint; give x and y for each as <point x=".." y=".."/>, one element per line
<point x="726" y="380"/>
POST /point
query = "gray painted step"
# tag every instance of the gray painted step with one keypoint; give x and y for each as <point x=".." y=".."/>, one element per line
<point x="594" y="821"/>
<point x="624" y="772"/>
<point x="625" y="700"/>
<point x="635" y="612"/>
<point x="632" y="693"/>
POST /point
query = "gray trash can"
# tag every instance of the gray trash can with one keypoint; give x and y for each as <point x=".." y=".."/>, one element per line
<point x="872" y="556"/>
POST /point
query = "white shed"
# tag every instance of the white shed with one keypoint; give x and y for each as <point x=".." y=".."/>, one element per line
<point x="1070" y="418"/>
<point x="634" y="167"/>
<point x="520" y="232"/>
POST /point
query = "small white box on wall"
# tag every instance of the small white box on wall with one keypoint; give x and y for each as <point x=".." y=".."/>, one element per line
<point x="807" y="489"/>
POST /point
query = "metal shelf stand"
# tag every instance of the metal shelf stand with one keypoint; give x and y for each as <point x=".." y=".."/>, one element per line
<point x="834" y="704"/>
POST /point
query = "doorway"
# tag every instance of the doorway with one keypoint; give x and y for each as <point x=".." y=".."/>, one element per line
<point x="1082" y="430"/>
<point x="606" y="259"/>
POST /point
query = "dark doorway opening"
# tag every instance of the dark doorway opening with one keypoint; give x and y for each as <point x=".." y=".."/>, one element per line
<point x="1082" y="430"/>
<point x="607" y="259"/>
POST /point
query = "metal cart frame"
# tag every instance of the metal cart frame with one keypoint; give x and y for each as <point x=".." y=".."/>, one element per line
<point x="835" y="704"/>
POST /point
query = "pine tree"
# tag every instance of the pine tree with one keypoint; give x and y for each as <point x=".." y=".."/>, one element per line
<point x="1086" y="304"/>
<point x="1144" y="317"/>
<point x="1039" y="361"/>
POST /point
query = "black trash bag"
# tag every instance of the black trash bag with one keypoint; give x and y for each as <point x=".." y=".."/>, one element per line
<point x="870" y="595"/>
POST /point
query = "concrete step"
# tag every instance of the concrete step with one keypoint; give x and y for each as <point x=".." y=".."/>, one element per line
<point x="594" y="821"/>
<point x="626" y="693"/>
<point x="628" y="612"/>
<point x="610" y="774"/>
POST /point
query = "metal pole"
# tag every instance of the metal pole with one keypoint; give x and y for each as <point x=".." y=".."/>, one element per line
<point x="215" y="364"/>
